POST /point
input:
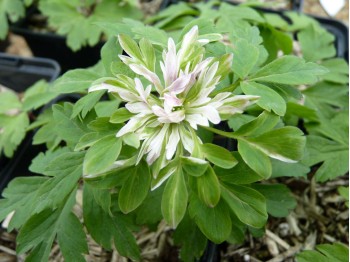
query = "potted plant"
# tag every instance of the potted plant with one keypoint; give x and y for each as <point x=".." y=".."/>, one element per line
<point x="24" y="90"/>
<point x="70" y="28"/>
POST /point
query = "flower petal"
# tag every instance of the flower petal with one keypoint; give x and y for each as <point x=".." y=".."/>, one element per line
<point x="150" y="76"/>
<point x="172" y="142"/>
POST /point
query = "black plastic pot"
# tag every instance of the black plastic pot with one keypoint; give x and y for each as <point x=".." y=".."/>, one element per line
<point x="18" y="74"/>
<point x="54" y="46"/>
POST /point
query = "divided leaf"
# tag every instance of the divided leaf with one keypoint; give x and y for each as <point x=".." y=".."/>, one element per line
<point x="290" y="70"/>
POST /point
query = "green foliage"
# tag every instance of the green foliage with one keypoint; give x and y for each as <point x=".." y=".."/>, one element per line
<point x="279" y="201"/>
<point x="76" y="20"/>
<point x="12" y="10"/>
<point x="336" y="252"/>
<point x="344" y="192"/>
<point x="316" y="38"/>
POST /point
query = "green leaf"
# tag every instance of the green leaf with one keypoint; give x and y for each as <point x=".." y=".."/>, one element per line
<point x="103" y="228"/>
<point x="263" y="123"/>
<point x="135" y="188"/>
<point x="255" y="159"/>
<point x="191" y="239"/>
<point x="101" y="155"/>
<point x="149" y="212"/>
<point x="285" y="144"/>
<point x="9" y="102"/>
<point x="275" y="41"/>
<point x="240" y="12"/>
<point x="86" y="103"/>
<point x="76" y="80"/>
<point x="19" y="196"/>
<point x="38" y="95"/>
<point x="130" y="47"/>
<point x="245" y="58"/>
<point x="40" y="162"/>
<point x="333" y="157"/>
<point x="215" y="223"/>
<point x="194" y="166"/>
<point x="247" y="204"/>
<point x="269" y="99"/>
<point x="234" y="175"/>
<point x="279" y="200"/>
<point x="148" y="53"/>
<point x="39" y="232"/>
<point x="218" y="155"/>
<point x="208" y="188"/>
<point x="120" y="115"/>
<point x="174" y="200"/>
<point x="109" y="53"/>
<point x="283" y="169"/>
<point x="66" y="128"/>
<point x="301" y="111"/>
<point x="338" y="70"/>
<point x="13" y="131"/>
<point x="13" y="9"/>
<point x="66" y="170"/>
<point x="290" y="70"/>
<point x="336" y="252"/>
<point x="316" y="38"/>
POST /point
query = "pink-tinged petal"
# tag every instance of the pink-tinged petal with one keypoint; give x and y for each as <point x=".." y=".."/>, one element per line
<point x="158" y="111"/>
<point x="190" y="37"/>
<point x="180" y="84"/>
<point x="171" y="66"/>
<point x="171" y="101"/>
<point x="150" y="76"/>
<point x="173" y="141"/>
<point x="104" y="86"/>
<point x="138" y="107"/>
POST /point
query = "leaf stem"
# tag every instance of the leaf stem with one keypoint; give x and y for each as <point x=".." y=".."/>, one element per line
<point x="220" y="132"/>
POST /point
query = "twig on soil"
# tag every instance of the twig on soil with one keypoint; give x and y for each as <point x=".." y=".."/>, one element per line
<point x="8" y="250"/>
<point x="290" y="252"/>
<point x="277" y="239"/>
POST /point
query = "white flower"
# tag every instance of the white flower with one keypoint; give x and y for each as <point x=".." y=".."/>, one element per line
<point x="166" y="120"/>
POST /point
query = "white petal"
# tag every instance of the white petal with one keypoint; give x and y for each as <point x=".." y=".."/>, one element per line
<point x="139" y="88"/>
<point x="126" y="59"/>
<point x="164" y="178"/>
<point x="104" y="86"/>
<point x="155" y="145"/>
<point x="186" y="139"/>
<point x="197" y="119"/>
<point x="131" y="126"/>
<point x="211" y="113"/>
<point x="138" y="107"/>
<point x="172" y="143"/>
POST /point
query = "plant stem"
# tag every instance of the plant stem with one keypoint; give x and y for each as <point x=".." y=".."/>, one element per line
<point x="220" y="132"/>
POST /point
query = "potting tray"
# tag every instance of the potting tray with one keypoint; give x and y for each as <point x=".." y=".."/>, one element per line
<point x="19" y="73"/>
